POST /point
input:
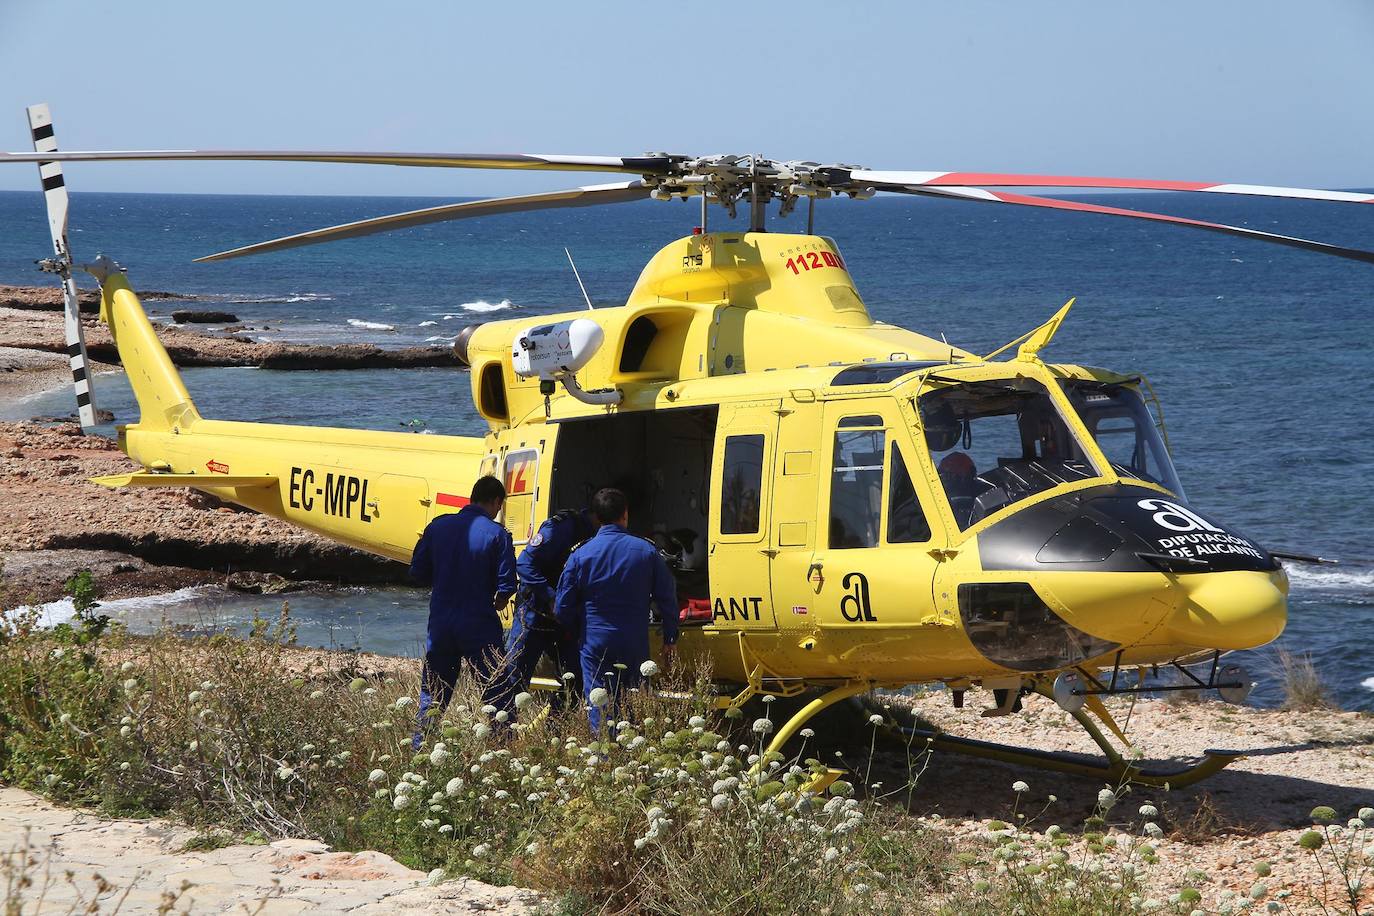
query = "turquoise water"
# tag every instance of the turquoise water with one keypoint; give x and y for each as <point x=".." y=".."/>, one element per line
<point x="1261" y="355"/>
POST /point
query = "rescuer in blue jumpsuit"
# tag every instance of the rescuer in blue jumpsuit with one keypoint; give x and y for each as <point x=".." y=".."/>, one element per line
<point x="469" y="560"/>
<point x="605" y="590"/>
<point x="534" y="631"/>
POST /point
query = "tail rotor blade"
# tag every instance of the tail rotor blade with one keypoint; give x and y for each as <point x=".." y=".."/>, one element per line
<point x="592" y="195"/>
<point x="55" y="197"/>
<point x="1026" y="200"/>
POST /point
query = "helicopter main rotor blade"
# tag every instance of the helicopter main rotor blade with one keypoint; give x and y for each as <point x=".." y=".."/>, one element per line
<point x="997" y="180"/>
<point x="592" y="195"/>
<point x="641" y="165"/>
<point x="1026" y="200"/>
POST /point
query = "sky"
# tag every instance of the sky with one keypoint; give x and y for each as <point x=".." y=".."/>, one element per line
<point x="1253" y="91"/>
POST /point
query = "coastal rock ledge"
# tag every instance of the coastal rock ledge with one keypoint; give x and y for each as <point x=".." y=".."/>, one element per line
<point x="170" y="538"/>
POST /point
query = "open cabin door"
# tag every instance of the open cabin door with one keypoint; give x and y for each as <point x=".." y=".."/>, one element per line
<point x="742" y="546"/>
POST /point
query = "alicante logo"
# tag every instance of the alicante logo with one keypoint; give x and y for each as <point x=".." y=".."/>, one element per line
<point x="1175" y="517"/>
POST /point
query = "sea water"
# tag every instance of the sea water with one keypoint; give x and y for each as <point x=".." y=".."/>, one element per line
<point x="1261" y="355"/>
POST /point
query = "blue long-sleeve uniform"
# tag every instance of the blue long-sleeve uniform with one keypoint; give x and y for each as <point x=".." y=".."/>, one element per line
<point x="468" y="559"/>
<point x="534" y="632"/>
<point x="541" y="564"/>
<point x="605" y="590"/>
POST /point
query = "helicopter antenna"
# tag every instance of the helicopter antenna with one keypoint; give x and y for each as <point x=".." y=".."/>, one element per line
<point x="590" y="307"/>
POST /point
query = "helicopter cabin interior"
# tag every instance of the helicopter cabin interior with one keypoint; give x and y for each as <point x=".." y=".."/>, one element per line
<point x="662" y="461"/>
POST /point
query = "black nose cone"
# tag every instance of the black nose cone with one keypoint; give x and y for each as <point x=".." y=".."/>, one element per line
<point x="1118" y="528"/>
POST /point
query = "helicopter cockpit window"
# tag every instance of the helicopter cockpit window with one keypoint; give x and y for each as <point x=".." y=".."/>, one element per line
<point x="1117" y="417"/>
<point x="906" y="521"/>
<point x="996" y="443"/>
<point x="856" y="483"/>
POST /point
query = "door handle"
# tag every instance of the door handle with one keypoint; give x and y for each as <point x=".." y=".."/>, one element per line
<point x="816" y="573"/>
<point x="768" y="552"/>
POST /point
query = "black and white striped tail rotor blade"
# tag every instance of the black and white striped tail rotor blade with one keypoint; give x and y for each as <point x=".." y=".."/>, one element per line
<point x="592" y="195"/>
<point x="55" y="197"/>
<point x="1077" y="206"/>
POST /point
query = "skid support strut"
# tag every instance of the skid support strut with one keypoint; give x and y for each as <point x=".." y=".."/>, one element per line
<point x="803" y="715"/>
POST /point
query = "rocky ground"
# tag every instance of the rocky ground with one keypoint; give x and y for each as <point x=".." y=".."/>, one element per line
<point x="70" y="855"/>
<point x="1219" y="829"/>
<point x="138" y="541"/>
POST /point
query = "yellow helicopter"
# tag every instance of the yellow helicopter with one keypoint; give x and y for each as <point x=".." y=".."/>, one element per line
<point x="847" y="505"/>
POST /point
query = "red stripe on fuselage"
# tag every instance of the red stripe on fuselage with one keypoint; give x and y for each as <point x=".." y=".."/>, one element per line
<point x="448" y="499"/>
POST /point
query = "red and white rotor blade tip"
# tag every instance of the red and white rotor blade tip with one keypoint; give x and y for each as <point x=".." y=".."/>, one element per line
<point x="1049" y="203"/>
<point x="999" y="180"/>
<point x="592" y="195"/>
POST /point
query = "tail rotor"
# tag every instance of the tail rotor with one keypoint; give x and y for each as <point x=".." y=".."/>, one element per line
<point x="55" y="197"/>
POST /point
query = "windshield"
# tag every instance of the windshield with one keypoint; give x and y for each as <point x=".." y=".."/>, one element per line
<point x="1117" y="417"/>
<point x="997" y="443"/>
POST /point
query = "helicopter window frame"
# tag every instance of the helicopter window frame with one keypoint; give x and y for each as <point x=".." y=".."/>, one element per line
<point x="912" y="535"/>
<point x="734" y="517"/>
<point x="1125" y="403"/>
<point x="1085" y="461"/>
<point x="850" y="429"/>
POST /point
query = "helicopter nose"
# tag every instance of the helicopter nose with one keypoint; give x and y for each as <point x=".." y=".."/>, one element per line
<point x="1230" y="610"/>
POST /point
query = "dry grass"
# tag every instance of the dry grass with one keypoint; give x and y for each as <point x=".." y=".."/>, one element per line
<point x="1303" y="687"/>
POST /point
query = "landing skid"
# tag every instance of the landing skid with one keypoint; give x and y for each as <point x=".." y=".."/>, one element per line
<point x="1115" y="769"/>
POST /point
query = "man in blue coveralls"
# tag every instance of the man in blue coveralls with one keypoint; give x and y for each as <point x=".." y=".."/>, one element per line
<point x="605" y="590"/>
<point x="534" y="630"/>
<point x="469" y="560"/>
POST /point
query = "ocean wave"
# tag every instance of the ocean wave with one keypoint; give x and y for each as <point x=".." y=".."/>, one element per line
<point x="371" y="325"/>
<point x="56" y="612"/>
<point x="1326" y="577"/>
<point x="426" y="324"/>
<point x="481" y="305"/>
<point x="1368" y="683"/>
<point x="265" y="300"/>
<point x="439" y="337"/>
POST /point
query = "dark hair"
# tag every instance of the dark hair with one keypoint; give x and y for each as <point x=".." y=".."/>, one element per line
<point x="609" y="505"/>
<point x="488" y="490"/>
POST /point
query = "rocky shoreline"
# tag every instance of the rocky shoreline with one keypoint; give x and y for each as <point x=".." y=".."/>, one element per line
<point x="33" y="345"/>
<point x="146" y="542"/>
<point x="141" y="542"/>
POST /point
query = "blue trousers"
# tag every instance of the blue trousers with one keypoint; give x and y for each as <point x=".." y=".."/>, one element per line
<point x="531" y="638"/>
<point x="444" y="657"/>
<point x="599" y="660"/>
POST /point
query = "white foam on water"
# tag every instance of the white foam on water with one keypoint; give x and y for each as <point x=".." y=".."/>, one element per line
<point x="426" y="324"/>
<point x="55" y="612"/>
<point x="1306" y="575"/>
<point x="481" y="305"/>
<point x="438" y="337"/>
<point x="371" y="325"/>
<point x="1367" y="683"/>
<point x="264" y="300"/>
